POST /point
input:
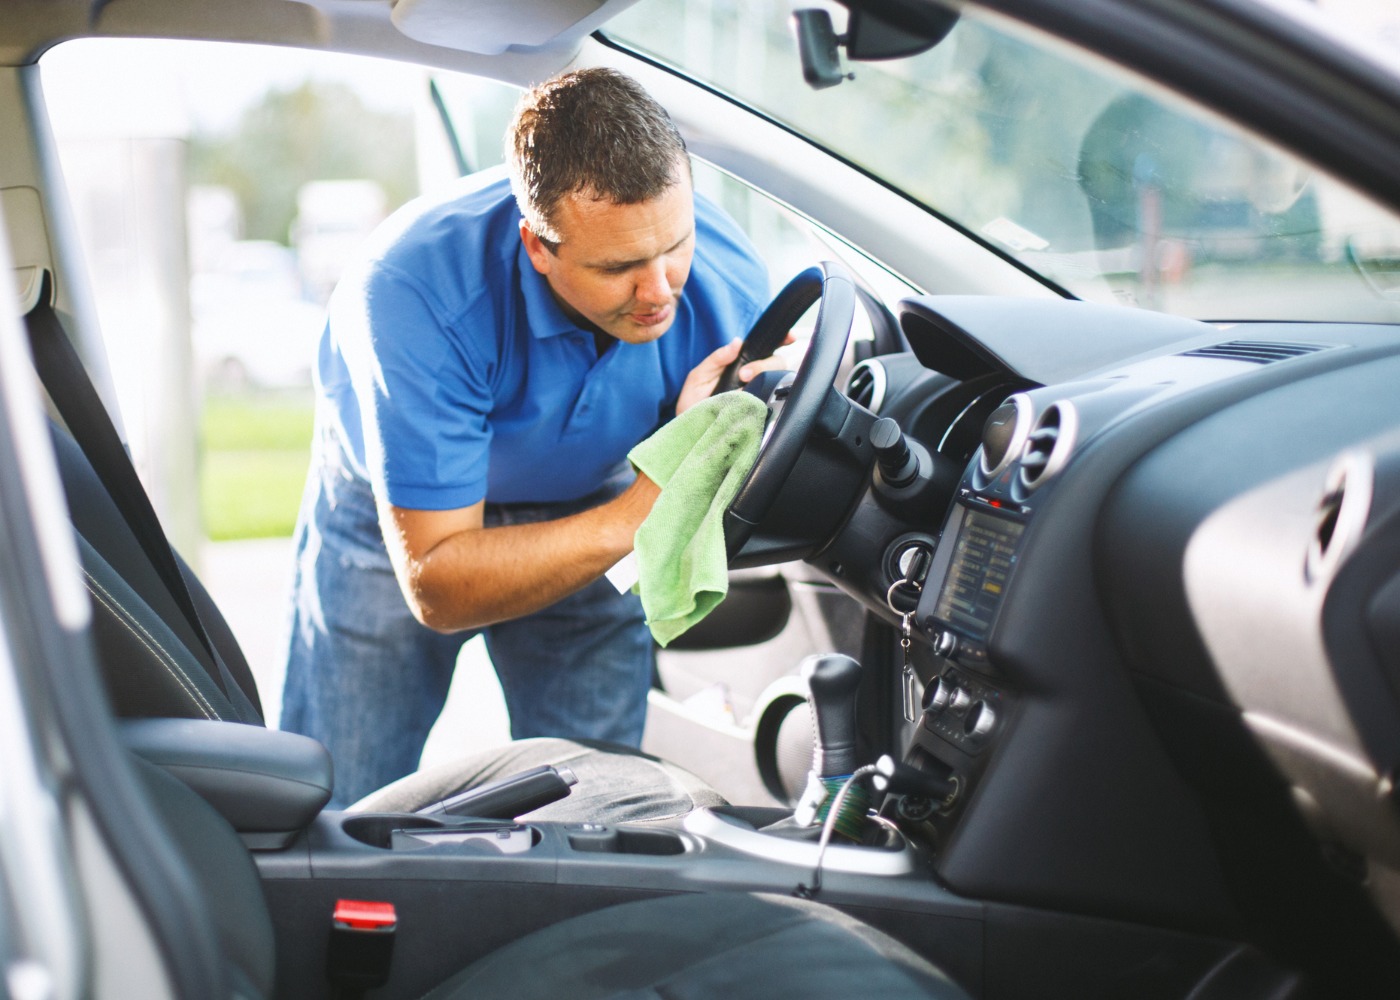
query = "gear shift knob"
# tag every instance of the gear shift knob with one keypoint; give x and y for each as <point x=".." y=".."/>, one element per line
<point x="831" y="680"/>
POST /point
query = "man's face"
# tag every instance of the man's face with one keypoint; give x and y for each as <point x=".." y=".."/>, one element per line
<point x="620" y="268"/>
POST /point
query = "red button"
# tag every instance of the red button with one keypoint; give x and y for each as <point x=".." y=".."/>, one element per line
<point x="364" y="915"/>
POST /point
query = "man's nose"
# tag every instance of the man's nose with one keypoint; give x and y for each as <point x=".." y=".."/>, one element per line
<point x="653" y="285"/>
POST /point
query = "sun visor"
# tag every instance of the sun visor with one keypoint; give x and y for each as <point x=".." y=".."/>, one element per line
<point x="489" y="27"/>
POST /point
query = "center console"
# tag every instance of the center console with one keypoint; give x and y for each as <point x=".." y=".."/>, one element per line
<point x="462" y="886"/>
<point x="965" y="705"/>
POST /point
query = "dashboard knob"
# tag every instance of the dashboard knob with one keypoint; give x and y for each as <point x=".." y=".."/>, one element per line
<point x="980" y="720"/>
<point x="944" y="643"/>
<point x="898" y="464"/>
<point x="960" y="701"/>
<point x="936" y="696"/>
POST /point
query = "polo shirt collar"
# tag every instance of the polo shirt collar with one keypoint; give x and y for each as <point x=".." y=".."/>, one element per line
<point x="542" y="312"/>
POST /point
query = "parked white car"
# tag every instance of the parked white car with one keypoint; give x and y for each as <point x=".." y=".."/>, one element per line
<point x="252" y="325"/>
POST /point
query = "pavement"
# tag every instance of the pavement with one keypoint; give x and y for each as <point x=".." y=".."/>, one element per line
<point x="249" y="580"/>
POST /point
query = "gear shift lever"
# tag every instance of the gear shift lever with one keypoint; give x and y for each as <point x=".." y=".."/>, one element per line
<point x="832" y="680"/>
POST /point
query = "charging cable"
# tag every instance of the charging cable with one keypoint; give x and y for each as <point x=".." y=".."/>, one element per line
<point x="833" y="815"/>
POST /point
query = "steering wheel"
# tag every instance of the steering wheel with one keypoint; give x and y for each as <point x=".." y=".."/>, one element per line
<point x="797" y="408"/>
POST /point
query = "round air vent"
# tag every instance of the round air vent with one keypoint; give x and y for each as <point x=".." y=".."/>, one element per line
<point x="1048" y="445"/>
<point x="867" y="384"/>
<point x="783" y="747"/>
<point x="1340" y="515"/>
<point x="1004" y="435"/>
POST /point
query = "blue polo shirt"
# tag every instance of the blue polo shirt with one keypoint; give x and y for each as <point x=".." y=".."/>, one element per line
<point x="454" y="376"/>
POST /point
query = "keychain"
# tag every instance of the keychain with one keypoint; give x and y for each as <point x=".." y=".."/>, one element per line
<point x="906" y="629"/>
<point x="911" y="698"/>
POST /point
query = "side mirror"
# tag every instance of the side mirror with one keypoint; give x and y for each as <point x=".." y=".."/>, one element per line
<point x="1378" y="263"/>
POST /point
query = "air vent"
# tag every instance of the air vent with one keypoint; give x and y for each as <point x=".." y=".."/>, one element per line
<point x="1256" y="352"/>
<point x="1048" y="447"/>
<point x="1340" y="515"/>
<point x="1004" y="437"/>
<point x="866" y="385"/>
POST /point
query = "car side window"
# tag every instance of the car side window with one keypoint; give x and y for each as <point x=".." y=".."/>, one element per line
<point x="216" y="191"/>
<point x="789" y="243"/>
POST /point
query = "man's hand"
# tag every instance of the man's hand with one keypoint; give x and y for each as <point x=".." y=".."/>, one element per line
<point x="701" y="382"/>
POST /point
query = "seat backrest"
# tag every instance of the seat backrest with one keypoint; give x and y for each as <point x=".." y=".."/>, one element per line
<point x="223" y="876"/>
<point x="152" y="661"/>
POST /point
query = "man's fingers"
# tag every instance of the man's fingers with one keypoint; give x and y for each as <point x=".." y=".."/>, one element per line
<point x="720" y="357"/>
<point x="768" y="364"/>
<point x="717" y="361"/>
<point x="705" y="376"/>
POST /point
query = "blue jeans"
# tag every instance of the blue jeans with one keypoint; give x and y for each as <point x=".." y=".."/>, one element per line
<point x="368" y="681"/>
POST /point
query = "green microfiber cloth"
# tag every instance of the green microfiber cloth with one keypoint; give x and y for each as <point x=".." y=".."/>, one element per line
<point x="699" y="460"/>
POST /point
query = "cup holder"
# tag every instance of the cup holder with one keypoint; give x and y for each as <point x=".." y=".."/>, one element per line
<point x="621" y="840"/>
<point x="376" y="829"/>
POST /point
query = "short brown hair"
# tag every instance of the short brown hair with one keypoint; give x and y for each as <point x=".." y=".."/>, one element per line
<point x="593" y="130"/>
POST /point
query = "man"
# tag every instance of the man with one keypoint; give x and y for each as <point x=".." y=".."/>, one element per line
<point x="483" y="374"/>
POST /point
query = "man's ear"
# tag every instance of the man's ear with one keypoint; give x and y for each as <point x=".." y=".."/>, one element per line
<point x="535" y="249"/>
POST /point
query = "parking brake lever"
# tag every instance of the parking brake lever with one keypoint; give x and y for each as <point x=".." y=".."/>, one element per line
<point x="509" y="797"/>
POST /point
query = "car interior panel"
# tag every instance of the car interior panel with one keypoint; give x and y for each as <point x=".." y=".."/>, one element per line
<point x="1091" y="542"/>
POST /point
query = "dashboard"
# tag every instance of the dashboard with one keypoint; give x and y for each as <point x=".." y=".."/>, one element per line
<point x="1159" y="613"/>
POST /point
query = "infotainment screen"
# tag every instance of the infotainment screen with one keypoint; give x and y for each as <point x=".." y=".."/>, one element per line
<point x="979" y="563"/>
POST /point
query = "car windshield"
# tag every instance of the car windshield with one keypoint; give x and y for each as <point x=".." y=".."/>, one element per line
<point x="1106" y="187"/>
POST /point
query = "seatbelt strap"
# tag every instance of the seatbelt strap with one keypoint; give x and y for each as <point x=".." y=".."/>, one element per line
<point x="73" y="394"/>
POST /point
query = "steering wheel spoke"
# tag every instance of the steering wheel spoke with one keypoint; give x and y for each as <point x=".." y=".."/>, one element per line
<point x="795" y="415"/>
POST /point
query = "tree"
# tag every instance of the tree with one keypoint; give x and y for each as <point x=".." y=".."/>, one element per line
<point x="315" y="131"/>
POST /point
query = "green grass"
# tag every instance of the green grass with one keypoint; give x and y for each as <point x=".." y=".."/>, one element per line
<point x="255" y="450"/>
<point x="257" y="422"/>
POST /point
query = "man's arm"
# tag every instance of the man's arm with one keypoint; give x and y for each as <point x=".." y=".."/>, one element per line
<point x="457" y="574"/>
